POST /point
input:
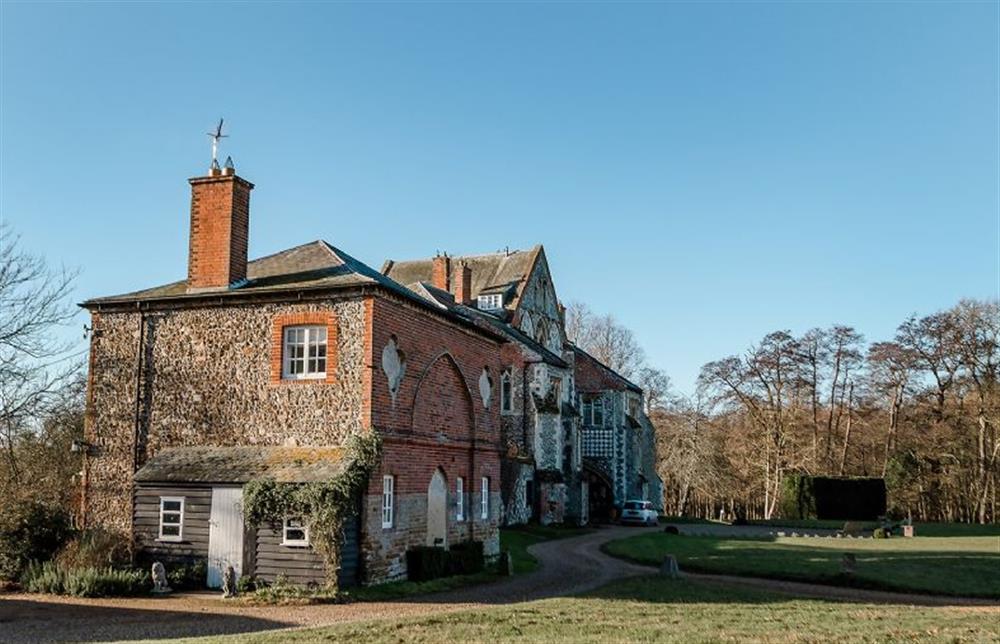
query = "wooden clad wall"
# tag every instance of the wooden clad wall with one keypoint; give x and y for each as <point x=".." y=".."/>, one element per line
<point x="146" y="517"/>
<point x="302" y="566"/>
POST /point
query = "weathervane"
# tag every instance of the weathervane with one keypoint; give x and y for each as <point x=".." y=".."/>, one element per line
<point x="215" y="143"/>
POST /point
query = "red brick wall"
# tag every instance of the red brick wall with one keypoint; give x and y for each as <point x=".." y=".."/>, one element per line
<point x="438" y="421"/>
<point x="220" y="223"/>
<point x="591" y="377"/>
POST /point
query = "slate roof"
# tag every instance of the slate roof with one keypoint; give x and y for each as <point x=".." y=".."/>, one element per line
<point x="242" y="464"/>
<point x="491" y="273"/>
<point x="313" y="265"/>
<point x="605" y="370"/>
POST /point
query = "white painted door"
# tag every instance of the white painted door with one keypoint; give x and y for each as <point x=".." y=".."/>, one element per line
<point x="225" y="534"/>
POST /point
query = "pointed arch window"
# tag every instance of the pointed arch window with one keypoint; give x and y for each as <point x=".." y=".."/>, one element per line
<point x="506" y="392"/>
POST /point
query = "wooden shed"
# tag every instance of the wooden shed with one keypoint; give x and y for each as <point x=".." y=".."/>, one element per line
<point x="187" y="507"/>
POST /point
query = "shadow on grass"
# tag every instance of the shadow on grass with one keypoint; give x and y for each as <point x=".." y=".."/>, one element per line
<point x="31" y="620"/>
<point x="934" y="572"/>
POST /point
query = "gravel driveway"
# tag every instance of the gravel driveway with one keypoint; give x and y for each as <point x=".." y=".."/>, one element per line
<point x="569" y="566"/>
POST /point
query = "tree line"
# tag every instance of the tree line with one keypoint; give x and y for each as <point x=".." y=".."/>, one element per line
<point x="920" y="410"/>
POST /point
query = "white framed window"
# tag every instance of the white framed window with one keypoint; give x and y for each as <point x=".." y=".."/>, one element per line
<point x="303" y="354"/>
<point x="388" y="492"/>
<point x="491" y="302"/>
<point x="460" y="499"/>
<point x="171" y="518"/>
<point x="294" y="532"/>
<point x="506" y="392"/>
<point x="484" y="502"/>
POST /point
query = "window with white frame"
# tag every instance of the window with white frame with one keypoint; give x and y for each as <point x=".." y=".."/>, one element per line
<point x="506" y="392"/>
<point x="295" y="532"/>
<point x="460" y="499"/>
<point x="171" y="518"/>
<point x="484" y="502"/>
<point x="304" y="352"/>
<point x="388" y="491"/>
<point x="491" y="302"/>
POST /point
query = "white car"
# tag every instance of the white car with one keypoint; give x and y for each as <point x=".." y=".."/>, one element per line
<point x="639" y="512"/>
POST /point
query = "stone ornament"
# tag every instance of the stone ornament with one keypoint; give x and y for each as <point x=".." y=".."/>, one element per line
<point x="229" y="582"/>
<point x="159" y="574"/>
<point x="486" y="387"/>
<point x="393" y="366"/>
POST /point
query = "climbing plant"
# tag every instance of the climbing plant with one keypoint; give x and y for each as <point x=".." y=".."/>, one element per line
<point x="323" y="505"/>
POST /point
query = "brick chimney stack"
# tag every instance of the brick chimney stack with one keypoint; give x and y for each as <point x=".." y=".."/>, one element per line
<point x="220" y="226"/>
<point x="441" y="272"/>
<point x="463" y="284"/>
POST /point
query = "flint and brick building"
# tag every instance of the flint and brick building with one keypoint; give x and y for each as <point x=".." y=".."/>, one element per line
<point x="263" y="369"/>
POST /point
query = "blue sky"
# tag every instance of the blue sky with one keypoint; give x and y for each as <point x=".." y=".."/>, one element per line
<point x="708" y="172"/>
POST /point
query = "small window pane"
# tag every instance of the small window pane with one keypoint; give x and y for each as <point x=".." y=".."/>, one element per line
<point x="171" y="530"/>
<point x="172" y="506"/>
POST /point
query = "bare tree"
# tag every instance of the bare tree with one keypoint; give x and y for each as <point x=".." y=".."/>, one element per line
<point x="34" y="365"/>
<point x="656" y="387"/>
<point x="603" y="337"/>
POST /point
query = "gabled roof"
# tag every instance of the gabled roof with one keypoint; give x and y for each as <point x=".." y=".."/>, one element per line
<point x="491" y="273"/>
<point x="242" y="464"/>
<point x="594" y="375"/>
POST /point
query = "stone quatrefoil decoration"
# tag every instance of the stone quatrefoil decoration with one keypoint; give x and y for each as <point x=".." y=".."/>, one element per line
<point x="393" y="366"/>
<point x="486" y="387"/>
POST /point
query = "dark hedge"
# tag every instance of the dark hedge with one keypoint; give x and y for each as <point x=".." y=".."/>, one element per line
<point x="427" y="562"/>
<point x="829" y="497"/>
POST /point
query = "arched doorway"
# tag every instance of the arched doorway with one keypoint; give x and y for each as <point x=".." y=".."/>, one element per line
<point x="437" y="510"/>
<point x="600" y="497"/>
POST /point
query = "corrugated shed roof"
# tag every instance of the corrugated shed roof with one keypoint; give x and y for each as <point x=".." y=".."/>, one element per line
<point x="242" y="464"/>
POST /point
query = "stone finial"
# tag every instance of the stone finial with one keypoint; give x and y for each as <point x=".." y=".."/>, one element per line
<point x="159" y="575"/>
<point x="229" y="582"/>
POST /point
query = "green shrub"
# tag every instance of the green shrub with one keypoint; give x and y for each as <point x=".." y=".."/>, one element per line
<point x="49" y="577"/>
<point x="424" y="563"/>
<point x="881" y="533"/>
<point x="187" y="576"/>
<point x="95" y="548"/>
<point x="247" y="584"/>
<point x="30" y="531"/>
<point x="828" y="497"/>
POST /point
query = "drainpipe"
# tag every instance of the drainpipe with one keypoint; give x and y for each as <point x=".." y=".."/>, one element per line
<point x="138" y="390"/>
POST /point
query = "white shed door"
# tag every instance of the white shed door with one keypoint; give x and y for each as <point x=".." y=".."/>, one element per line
<point x="225" y="534"/>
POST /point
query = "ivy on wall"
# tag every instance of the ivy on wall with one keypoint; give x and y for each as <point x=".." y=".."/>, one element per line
<point x="322" y="505"/>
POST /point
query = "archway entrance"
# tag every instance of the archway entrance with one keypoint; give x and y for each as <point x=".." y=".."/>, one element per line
<point x="600" y="497"/>
<point x="437" y="510"/>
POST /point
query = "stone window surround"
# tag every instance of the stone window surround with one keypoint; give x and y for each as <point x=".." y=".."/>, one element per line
<point x="484" y="498"/>
<point x="460" y="499"/>
<point x="324" y="318"/>
<point x="506" y="391"/>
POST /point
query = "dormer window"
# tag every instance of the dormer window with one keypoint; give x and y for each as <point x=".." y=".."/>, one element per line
<point x="491" y="302"/>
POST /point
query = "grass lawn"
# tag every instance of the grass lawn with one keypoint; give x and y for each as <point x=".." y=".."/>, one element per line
<point x="663" y="610"/>
<point x="516" y="541"/>
<point x="940" y="565"/>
